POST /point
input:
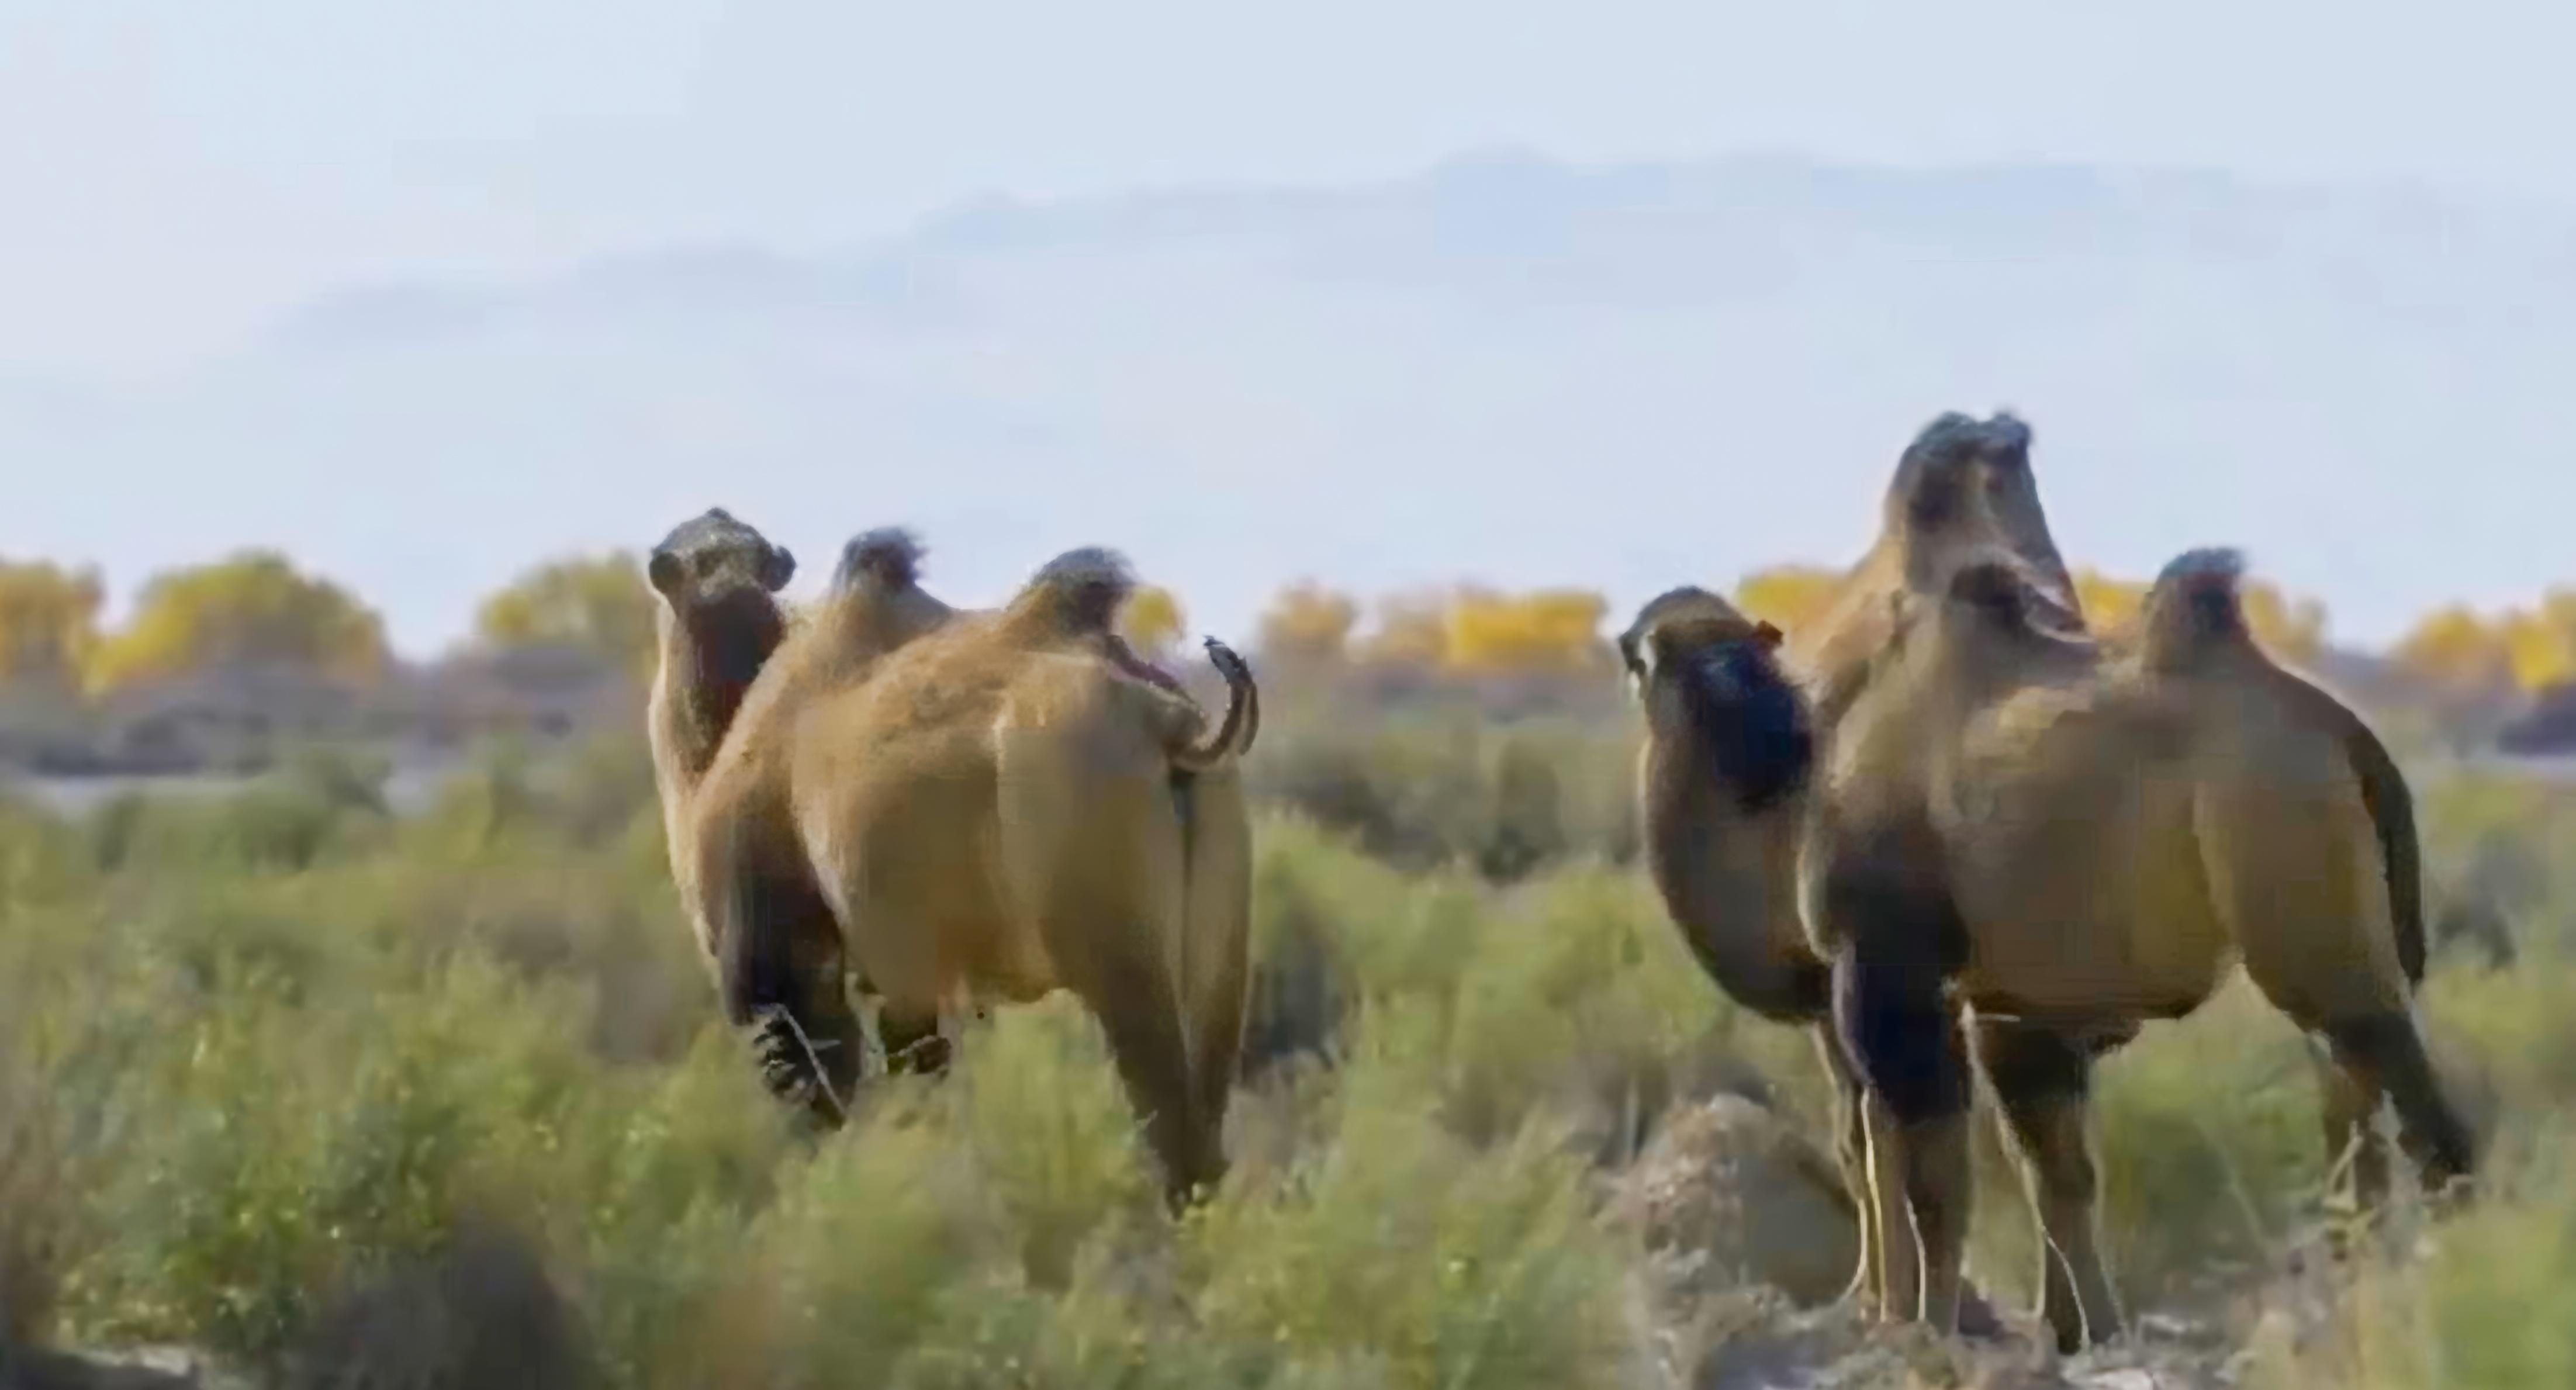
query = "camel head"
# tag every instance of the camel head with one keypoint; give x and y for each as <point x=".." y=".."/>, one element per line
<point x="1708" y="674"/>
<point x="887" y="559"/>
<point x="719" y="579"/>
<point x="711" y="558"/>
<point x="1966" y="482"/>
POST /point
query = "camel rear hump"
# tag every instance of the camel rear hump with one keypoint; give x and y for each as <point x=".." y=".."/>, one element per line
<point x="2194" y="611"/>
<point x="2195" y="608"/>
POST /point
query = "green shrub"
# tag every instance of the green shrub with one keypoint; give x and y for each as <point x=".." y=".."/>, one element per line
<point x="260" y="1051"/>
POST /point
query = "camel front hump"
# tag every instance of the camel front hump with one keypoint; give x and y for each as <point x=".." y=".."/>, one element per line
<point x="2073" y="843"/>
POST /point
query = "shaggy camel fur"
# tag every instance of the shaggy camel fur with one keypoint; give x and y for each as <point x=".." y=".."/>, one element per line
<point x="1009" y="805"/>
<point x="2064" y="841"/>
<point x="1721" y="777"/>
<point x="875" y="605"/>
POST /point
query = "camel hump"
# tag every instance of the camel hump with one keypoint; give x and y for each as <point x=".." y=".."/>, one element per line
<point x="888" y="557"/>
<point x="2195" y="606"/>
<point x="1078" y="593"/>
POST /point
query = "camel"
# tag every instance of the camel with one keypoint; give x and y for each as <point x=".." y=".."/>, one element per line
<point x="717" y="626"/>
<point x="2024" y="844"/>
<point x="1005" y="806"/>
<point x="1724" y="832"/>
<point x="1734" y="713"/>
<point x="875" y="605"/>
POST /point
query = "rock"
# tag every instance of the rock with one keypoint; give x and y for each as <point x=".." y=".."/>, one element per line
<point x="1729" y="1193"/>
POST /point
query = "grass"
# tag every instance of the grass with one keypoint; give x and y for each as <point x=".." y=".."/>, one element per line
<point x="262" y="1054"/>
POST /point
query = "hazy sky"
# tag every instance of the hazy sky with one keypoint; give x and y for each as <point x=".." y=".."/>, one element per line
<point x="180" y="171"/>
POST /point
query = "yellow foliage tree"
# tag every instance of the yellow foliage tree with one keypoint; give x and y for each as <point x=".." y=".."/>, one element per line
<point x="253" y="608"/>
<point x="2109" y="604"/>
<point x="2537" y="649"/>
<point x="598" y="603"/>
<point x="48" y="622"/>
<point x="1786" y="595"/>
<point x="2528" y="649"/>
<point x="2456" y="651"/>
<point x="2294" y="628"/>
<point x="1151" y="620"/>
<point x="1546" y="630"/>
<point x="1308" y="624"/>
<point x="1412" y="630"/>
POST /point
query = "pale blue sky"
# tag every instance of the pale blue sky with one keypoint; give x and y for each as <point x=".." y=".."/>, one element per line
<point x="178" y="171"/>
<point x="180" y="176"/>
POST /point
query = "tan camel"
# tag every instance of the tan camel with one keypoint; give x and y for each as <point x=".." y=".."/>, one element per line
<point x="2067" y="841"/>
<point x="1009" y="805"/>
<point x="1726" y="861"/>
<point x="812" y="1046"/>
<point x="1721" y="776"/>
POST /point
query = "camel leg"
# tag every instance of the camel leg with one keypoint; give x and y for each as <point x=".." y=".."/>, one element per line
<point x="1137" y="1003"/>
<point x="811" y="1044"/>
<point x="2319" y="946"/>
<point x="1851" y="1155"/>
<point x="2375" y="1045"/>
<point x="1217" y="991"/>
<point x="1878" y="1209"/>
<point x="2384" y="1052"/>
<point x="2042" y="1080"/>
<point x="782" y="979"/>
<point x="1890" y="1011"/>
<point x="2351" y="1101"/>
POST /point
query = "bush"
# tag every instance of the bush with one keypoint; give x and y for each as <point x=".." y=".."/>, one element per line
<point x="269" y="1094"/>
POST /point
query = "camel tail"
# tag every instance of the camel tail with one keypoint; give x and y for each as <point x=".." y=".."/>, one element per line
<point x="2392" y="814"/>
<point x="2391" y="804"/>
<point x="1242" y="722"/>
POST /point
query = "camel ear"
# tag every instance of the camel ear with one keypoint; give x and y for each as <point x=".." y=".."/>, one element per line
<point x="776" y="568"/>
<point x="663" y="571"/>
<point x="1766" y="636"/>
<point x="1643" y="653"/>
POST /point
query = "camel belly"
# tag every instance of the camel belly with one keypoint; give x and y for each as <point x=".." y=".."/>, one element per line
<point x="964" y="943"/>
<point x="928" y="911"/>
<point x="2093" y="902"/>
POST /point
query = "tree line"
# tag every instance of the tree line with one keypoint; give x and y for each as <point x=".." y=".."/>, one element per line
<point x="256" y="607"/>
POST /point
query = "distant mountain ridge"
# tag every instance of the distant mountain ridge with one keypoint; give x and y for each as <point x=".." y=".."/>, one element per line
<point x="1503" y="367"/>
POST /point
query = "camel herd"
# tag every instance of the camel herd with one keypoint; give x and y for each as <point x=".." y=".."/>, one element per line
<point x="1946" y="827"/>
